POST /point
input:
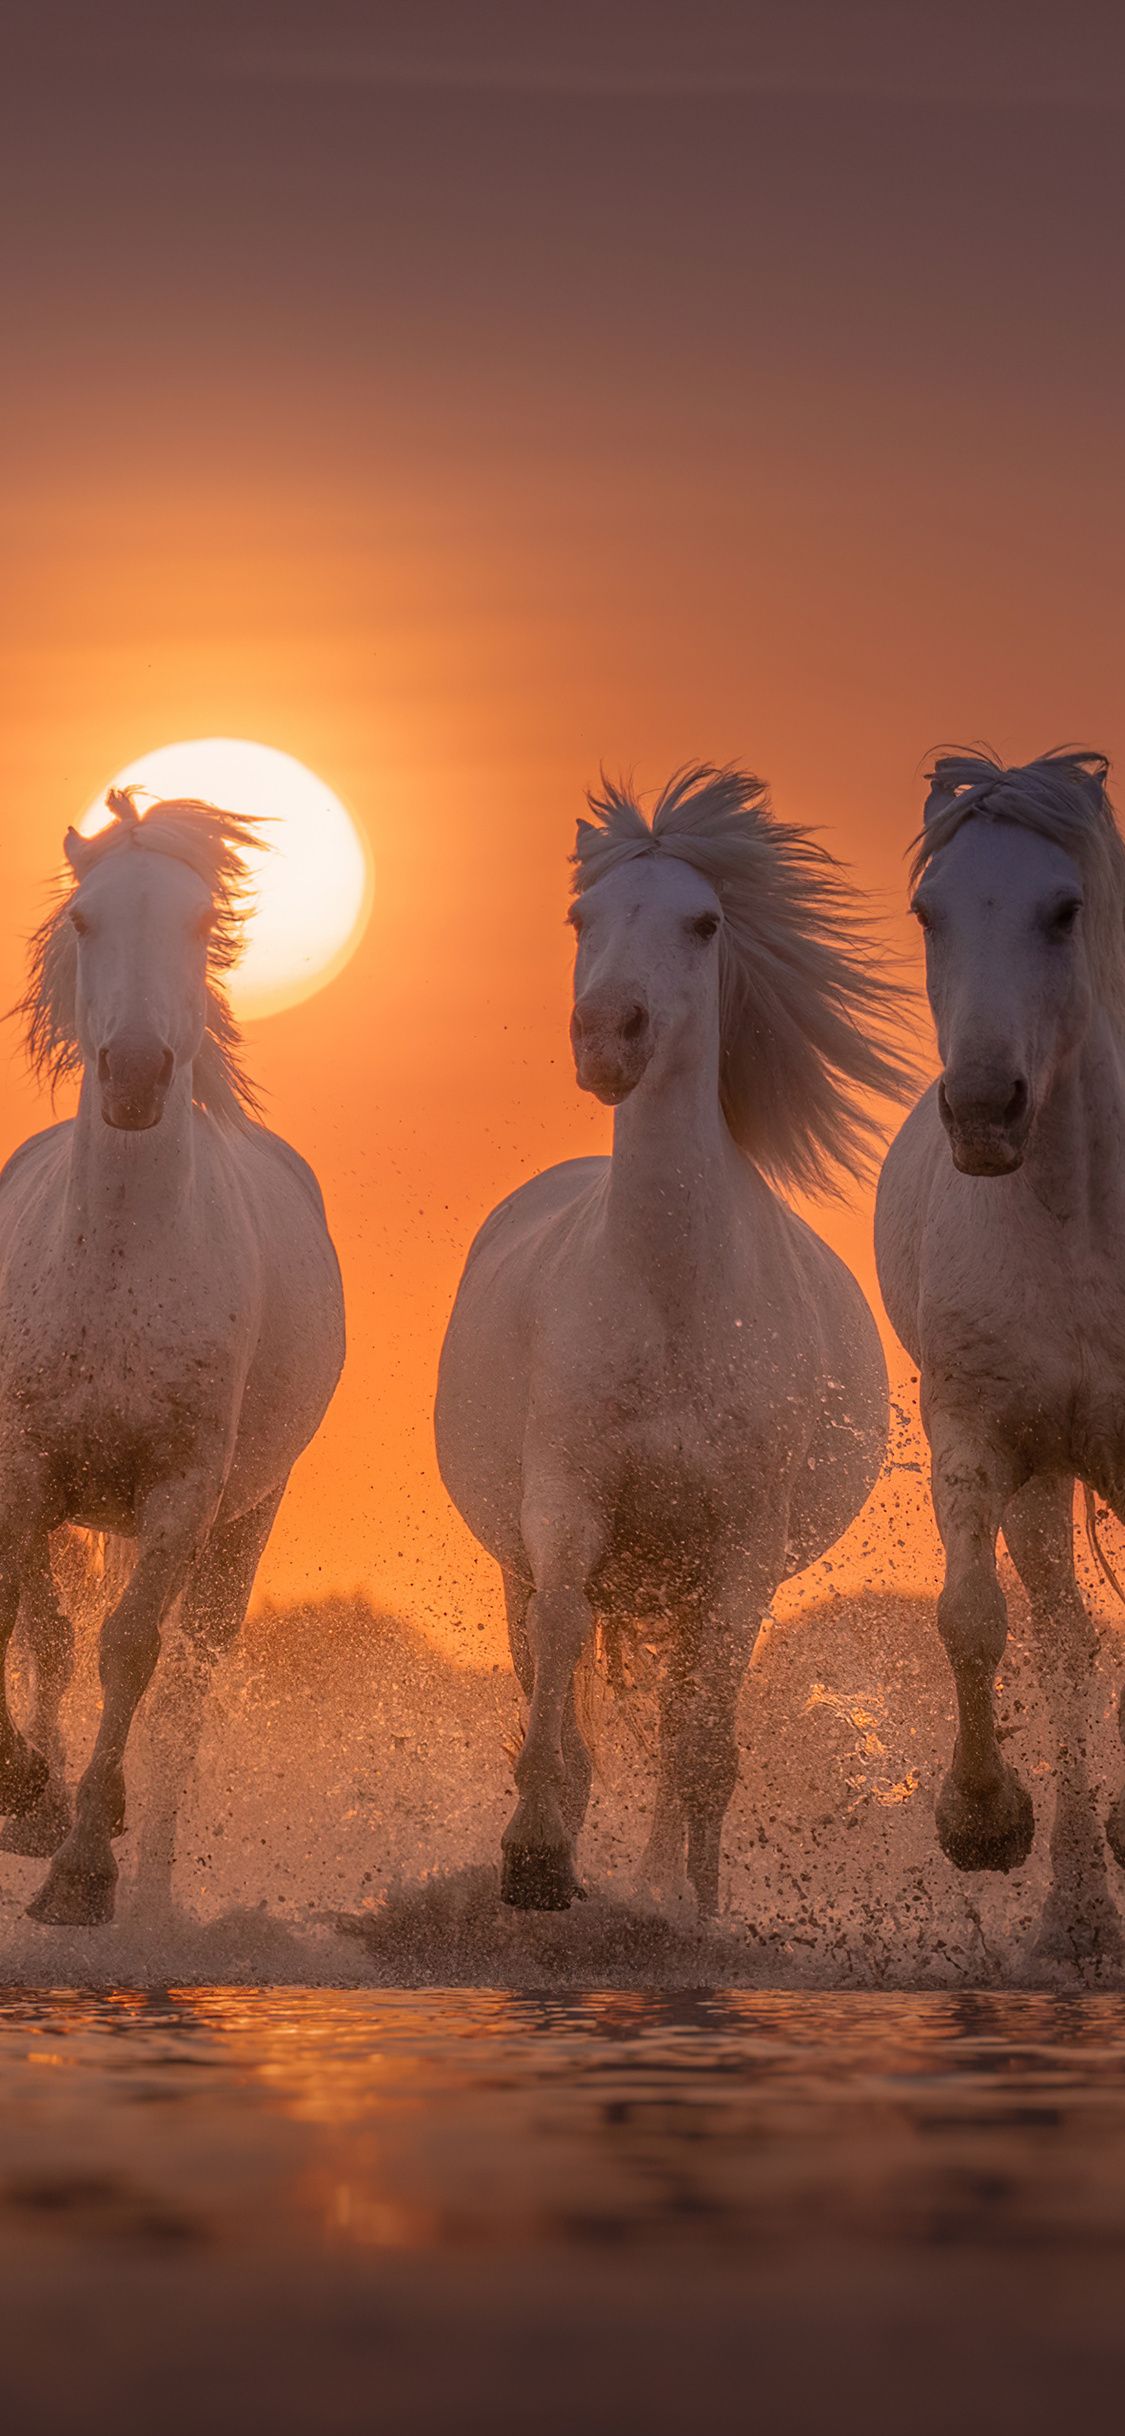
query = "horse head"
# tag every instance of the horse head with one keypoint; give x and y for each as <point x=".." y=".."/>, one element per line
<point x="1015" y="875"/>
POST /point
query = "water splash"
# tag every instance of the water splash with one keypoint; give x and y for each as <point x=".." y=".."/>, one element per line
<point x="354" y="1783"/>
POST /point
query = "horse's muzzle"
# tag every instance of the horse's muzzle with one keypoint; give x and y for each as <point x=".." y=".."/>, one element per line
<point x="611" y="1049"/>
<point x="133" y="1084"/>
<point x="987" y="1131"/>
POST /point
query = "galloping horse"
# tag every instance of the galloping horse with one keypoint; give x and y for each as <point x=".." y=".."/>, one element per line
<point x="171" y="1317"/>
<point x="999" y="1231"/>
<point x="660" y="1392"/>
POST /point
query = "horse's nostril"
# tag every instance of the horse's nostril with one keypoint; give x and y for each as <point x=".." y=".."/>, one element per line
<point x="634" y="1024"/>
<point x="980" y="1102"/>
<point x="167" y="1063"/>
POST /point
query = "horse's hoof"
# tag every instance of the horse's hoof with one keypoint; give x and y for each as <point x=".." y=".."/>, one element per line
<point x="23" y="1777"/>
<point x="994" y="1833"/>
<point x="538" y="1878"/>
<point x="75" y="1896"/>
<point x="35" y="1834"/>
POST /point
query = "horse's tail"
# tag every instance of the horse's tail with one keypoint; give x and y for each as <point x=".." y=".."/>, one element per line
<point x="1096" y="1549"/>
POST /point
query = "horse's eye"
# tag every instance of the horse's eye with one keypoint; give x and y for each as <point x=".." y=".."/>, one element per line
<point x="205" y="924"/>
<point x="1061" y="922"/>
<point x="703" y="926"/>
<point x="922" y="918"/>
<point x="78" y="922"/>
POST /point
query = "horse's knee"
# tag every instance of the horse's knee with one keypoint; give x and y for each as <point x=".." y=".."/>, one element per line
<point x="973" y="1619"/>
<point x="560" y="1620"/>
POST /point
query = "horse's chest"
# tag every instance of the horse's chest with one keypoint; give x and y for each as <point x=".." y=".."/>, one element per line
<point x="661" y="1402"/>
<point x="1036" y="1347"/>
<point x="110" y="1408"/>
<point x="685" y="1459"/>
<point x="1096" y="1432"/>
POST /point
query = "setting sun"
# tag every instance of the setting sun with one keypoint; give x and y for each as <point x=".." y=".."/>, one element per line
<point x="312" y="878"/>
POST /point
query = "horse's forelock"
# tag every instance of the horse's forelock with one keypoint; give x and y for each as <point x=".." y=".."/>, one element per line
<point x="1062" y="795"/>
<point x="122" y="802"/>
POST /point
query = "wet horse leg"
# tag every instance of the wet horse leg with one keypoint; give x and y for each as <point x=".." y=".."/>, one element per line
<point x="537" y="1872"/>
<point x="212" y="1613"/>
<point x="39" y="1830"/>
<point x="578" y="1772"/>
<point x="984" y="1815"/>
<point x="704" y="1747"/>
<point x="23" y="1770"/>
<point x="661" y="1870"/>
<point x="1080" y="1920"/>
<point x="1114" y="1494"/>
<point x="78" y="1890"/>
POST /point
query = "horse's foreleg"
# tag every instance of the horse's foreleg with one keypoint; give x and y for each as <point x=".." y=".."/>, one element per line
<point x="704" y="1744"/>
<point x="78" y="1890"/>
<point x="984" y="1814"/>
<point x="537" y="1872"/>
<point x="212" y="1613"/>
<point x="1079" y="1919"/>
<point x="576" y="1758"/>
<point x="39" y="1829"/>
<point x="23" y="1769"/>
<point x="661" y="1870"/>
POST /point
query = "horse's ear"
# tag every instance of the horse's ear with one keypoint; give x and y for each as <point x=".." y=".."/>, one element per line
<point x="1094" y="782"/>
<point x="938" y="800"/>
<point x="78" y="853"/>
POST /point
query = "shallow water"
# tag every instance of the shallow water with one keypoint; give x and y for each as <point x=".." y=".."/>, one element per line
<point x="308" y="2209"/>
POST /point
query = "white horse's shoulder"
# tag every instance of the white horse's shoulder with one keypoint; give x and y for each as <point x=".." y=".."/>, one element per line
<point x="901" y="1203"/>
<point x="34" y="1152"/>
<point x="535" y="1203"/>
<point x="257" y="1140"/>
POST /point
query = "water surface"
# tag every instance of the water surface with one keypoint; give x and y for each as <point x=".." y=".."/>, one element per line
<point x="228" y="2207"/>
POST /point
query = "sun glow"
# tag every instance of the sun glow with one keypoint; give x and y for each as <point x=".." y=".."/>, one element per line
<point x="312" y="879"/>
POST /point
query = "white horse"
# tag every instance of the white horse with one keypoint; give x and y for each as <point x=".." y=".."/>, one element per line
<point x="660" y="1392"/>
<point x="1000" y="1229"/>
<point x="171" y="1318"/>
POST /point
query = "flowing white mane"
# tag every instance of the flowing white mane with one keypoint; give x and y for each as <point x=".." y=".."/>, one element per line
<point x="212" y="843"/>
<point x="1061" y="796"/>
<point x="809" y="1008"/>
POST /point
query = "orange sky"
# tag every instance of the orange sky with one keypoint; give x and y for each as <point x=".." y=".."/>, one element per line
<point x="456" y="421"/>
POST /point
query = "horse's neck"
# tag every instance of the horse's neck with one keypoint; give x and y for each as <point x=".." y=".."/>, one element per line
<point x="668" y="1209"/>
<point x="124" y="1189"/>
<point x="1074" y="1161"/>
